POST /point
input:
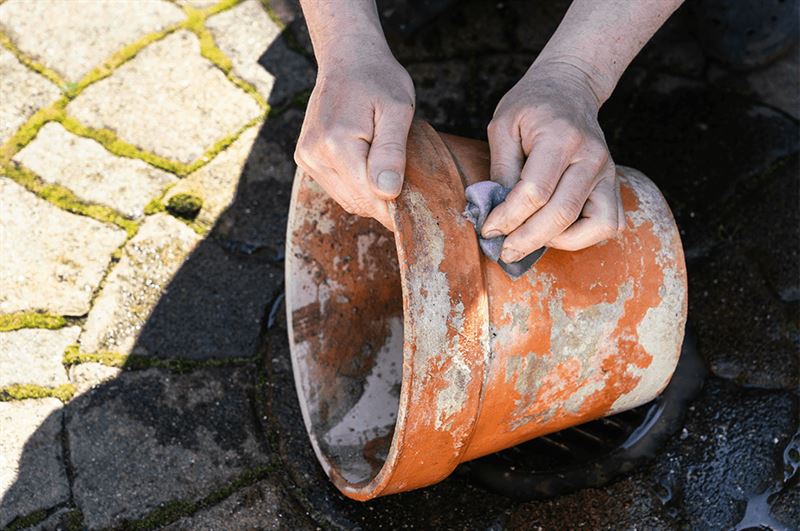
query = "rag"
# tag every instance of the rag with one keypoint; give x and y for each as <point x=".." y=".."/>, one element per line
<point x="482" y="197"/>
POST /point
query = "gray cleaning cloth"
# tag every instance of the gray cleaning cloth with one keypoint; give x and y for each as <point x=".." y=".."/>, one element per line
<point x="482" y="197"/>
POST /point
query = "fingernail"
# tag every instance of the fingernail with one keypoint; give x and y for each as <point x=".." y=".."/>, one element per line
<point x="510" y="256"/>
<point x="389" y="181"/>
<point x="493" y="233"/>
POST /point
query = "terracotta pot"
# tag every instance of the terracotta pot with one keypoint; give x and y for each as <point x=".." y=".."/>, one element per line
<point x="412" y="352"/>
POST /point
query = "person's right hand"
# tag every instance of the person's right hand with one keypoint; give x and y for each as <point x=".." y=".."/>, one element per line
<point x="353" y="140"/>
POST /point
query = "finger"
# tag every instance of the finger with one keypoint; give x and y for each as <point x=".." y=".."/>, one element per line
<point x="328" y="179"/>
<point x="620" y="208"/>
<point x="352" y="167"/>
<point x="551" y="220"/>
<point x="505" y="150"/>
<point x="600" y="220"/>
<point x="540" y="176"/>
<point x="387" y="153"/>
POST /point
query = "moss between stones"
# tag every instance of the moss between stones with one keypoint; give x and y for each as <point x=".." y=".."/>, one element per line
<point x="117" y="146"/>
<point x="29" y="520"/>
<point x="174" y="510"/>
<point x="195" y="22"/>
<point x="74" y="520"/>
<point x="119" y="58"/>
<point x="154" y="207"/>
<point x="63" y="197"/>
<point x="30" y="129"/>
<point x="37" y="67"/>
<point x="185" y="206"/>
<point x="74" y="356"/>
<point x="19" y="320"/>
<point x="27" y="391"/>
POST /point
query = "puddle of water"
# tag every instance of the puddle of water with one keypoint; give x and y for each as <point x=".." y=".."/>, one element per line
<point x="758" y="513"/>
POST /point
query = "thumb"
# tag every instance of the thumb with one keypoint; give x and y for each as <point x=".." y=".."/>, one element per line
<point x="386" y="162"/>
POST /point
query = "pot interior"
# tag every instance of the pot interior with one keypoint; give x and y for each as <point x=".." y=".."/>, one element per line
<point x="345" y="313"/>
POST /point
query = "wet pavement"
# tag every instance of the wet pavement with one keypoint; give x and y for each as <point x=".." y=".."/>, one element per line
<point x="182" y="411"/>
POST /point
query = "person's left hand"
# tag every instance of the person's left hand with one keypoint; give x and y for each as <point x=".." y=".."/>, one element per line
<point x="545" y="141"/>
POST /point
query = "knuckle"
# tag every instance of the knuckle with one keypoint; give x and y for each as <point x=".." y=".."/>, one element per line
<point x="497" y="125"/>
<point x="535" y="195"/>
<point x="392" y="147"/>
<point x="596" y="151"/>
<point x="568" y="212"/>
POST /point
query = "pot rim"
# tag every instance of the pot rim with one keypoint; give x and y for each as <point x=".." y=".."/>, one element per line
<point x="393" y="475"/>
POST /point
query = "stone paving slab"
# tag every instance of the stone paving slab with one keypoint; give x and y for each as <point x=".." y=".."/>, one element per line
<point x="135" y="285"/>
<point x="72" y="38"/>
<point x="168" y="100"/>
<point x="151" y="437"/>
<point x="32" y="473"/>
<point x="24" y="92"/>
<point x="770" y="83"/>
<point x="246" y="189"/>
<point x="35" y="356"/>
<point x="260" y="55"/>
<point x="92" y="173"/>
<point x="87" y="376"/>
<point x="70" y="254"/>
<point x="217" y="182"/>
<point x="173" y="296"/>
<point x="260" y="506"/>
<point x="244" y="33"/>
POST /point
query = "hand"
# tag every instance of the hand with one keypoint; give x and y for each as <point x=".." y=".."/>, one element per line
<point x="353" y="140"/>
<point x="545" y="142"/>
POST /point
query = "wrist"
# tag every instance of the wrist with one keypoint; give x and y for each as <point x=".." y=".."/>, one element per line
<point x="351" y="51"/>
<point x="345" y="33"/>
<point x="577" y="74"/>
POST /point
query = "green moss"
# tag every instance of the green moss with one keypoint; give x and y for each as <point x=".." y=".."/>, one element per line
<point x="272" y="15"/>
<point x="222" y="144"/>
<point x="37" y="67"/>
<point x="195" y="22"/>
<point x="63" y="197"/>
<point x="73" y="356"/>
<point x="29" y="129"/>
<point x="74" y="520"/>
<point x="219" y="7"/>
<point x="119" y="58"/>
<point x="26" y="391"/>
<point x="174" y="510"/>
<point x="186" y="206"/>
<point x="154" y="207"/>
<point x="115" y="145"/>
<point x="29" y="520"/>
<point x="16" y="321"/>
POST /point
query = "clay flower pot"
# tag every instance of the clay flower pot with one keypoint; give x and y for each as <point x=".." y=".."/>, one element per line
<point x="412" y="352"/>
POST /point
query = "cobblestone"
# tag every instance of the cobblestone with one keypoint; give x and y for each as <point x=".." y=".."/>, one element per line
<point x="91" y="172"/>
<point x="260" y="506"/>
<point x="24" y="92"/>
<point x="260" y="53"/>
<point x="217" y="182"/>
<point x="176" y="103"/>
<point x="70" y="254"/>
<point x="87" y="376"/>
<point x="151" y="437"/>
<point x="72" y="40"/>
<point x="135" y="285"/>
<point x="32" y="473"/>
<point x="32" y="356"/>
